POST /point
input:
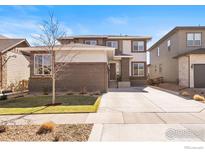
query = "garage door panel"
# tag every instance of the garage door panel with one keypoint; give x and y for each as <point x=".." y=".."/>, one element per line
<point x="199" y="75"/>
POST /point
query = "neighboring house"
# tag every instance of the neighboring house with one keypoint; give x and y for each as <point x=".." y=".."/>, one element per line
<point x="128" y="66"/>
<point x="14" y="66"/>
<point x="179" y="57"/>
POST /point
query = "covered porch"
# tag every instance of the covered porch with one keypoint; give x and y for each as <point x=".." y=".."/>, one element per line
<point x="119" y="71"/>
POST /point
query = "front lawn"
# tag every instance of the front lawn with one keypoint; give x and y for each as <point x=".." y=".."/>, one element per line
<point x="37" y="104"/>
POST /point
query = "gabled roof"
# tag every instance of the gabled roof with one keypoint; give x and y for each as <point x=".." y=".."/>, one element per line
<point x="170" y="33"/>
<point x="107" y="37"/>
<point x="9" y="43"/>
<point x="196" y="51"/>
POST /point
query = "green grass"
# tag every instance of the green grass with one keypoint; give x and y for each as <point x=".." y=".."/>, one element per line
<point x="37" y="105"/>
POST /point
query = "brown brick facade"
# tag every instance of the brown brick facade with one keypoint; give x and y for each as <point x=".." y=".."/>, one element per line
<point x="75" y="76"/>
<point x="125" y="69"/>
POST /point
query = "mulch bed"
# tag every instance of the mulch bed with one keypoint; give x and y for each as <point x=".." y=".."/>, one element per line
<point x="170" y="86"/>
<point x="65" y="132"/>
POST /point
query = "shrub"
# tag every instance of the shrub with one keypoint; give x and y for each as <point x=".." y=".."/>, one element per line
<point x="198" y="97"/>
<point x="46" y="128"/>
<point x="3" y="128"/>
<point x="185" y="93"/>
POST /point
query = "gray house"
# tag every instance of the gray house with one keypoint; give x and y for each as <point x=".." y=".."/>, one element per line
<point x="179" y="57"/>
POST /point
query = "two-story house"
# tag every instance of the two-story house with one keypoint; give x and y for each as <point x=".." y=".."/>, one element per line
<point x="179" y="57"/>
<point x="94" y="63"/>
<point x="128" y="66"/>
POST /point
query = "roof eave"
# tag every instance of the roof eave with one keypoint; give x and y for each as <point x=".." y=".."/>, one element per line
<point x="5" y="50"/>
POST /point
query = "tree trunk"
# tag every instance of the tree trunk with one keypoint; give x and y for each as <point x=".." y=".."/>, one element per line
<point x="53" y="79"/>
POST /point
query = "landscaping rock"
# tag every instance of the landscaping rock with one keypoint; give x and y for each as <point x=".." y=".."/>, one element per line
<point x="68" y="132"/>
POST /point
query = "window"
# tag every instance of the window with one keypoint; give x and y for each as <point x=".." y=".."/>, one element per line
<point x="113" y="44"/>
<point x="193" y="39"/>
<point x="169" y="45"/>
<point x="91" y="42"/>
<point x="138" y="46"/>
<point x="158" y="52"/>
<point x="42" y="64"/>
<point x="138" y="69"/>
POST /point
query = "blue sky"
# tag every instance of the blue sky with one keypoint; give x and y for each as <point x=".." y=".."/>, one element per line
<point x="24" y="21"/>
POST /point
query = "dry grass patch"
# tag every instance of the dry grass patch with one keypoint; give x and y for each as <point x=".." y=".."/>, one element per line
<point x="185" y="93"/>
<point x="198" y="97"/>
<point x="46" y="128"/>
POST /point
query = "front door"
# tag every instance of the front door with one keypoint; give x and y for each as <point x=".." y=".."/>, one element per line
<point x="112" y="71"/>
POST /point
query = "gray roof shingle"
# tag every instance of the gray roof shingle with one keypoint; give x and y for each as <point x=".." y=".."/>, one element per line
<point x="8" y="43"/>
<point x="195" y="51"/>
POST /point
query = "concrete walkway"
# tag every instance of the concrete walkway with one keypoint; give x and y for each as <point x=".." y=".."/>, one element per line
<point x="135" y="114"/>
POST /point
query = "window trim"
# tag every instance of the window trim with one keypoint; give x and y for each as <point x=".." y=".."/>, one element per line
<point x="138" y="62"/>
<point x="158" y="51"/>
<point x="112" y="41"/>
<point x="168" y="43"/>
<point x="34" y="67"/>
<point x="132" y="46"/>
<point x="90" y="40"/>
<point x="194" y="39"/>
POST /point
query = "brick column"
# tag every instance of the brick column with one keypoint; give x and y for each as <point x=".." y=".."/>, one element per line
<point x="125" y="69"/>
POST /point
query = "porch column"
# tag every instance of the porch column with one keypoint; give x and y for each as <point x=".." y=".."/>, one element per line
<point x="125" y="69"/>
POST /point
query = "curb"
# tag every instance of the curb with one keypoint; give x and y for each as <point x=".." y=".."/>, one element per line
<point x="166" y="90"/>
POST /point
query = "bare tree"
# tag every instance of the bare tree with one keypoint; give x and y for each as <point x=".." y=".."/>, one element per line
<point x="51" y="31"/>
<point x="4" y="60"/>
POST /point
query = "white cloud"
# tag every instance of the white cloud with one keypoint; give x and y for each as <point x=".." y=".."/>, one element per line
<point x="27" y="27"/>
<point x="117" y="20"/>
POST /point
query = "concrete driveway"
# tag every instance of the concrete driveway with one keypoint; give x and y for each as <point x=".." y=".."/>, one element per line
<point x="147" y="100"/>
<point x="147" y="114"/>
<point x="135" y="114"/>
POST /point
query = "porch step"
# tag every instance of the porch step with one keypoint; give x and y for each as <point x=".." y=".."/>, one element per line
<point x="112" y="84"/>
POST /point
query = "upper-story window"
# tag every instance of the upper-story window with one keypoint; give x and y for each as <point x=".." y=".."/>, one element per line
<point x="91" y="42"/>
<point x="113" y="44"/>
<point x="193" y="39"/>
<point x="169" y="45"/>
<point x="158" y="51"/>
<point x="138" y="46"/>
<point x="42" y="64"/>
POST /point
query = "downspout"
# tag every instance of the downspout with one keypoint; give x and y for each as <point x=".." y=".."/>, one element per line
<point x="189" y="70"/>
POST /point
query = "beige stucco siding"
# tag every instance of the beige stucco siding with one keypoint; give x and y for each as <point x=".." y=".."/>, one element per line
<point x="184" y="71"/>
<point x="168" y="64"/>
<point x="195" y="59"/>
<point x="126" y="45"/>
<point x="17" y="68"/>
<point x="182" y="34"/>
<point x="81" y="56"/>
<point x="137" y="57"/>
